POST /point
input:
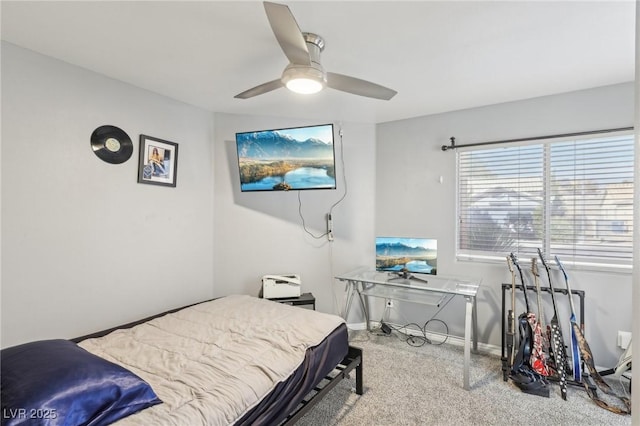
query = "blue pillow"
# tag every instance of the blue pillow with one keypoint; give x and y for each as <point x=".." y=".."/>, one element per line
<point x="56" y="382"/>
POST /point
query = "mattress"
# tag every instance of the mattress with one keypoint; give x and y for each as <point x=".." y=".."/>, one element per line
<point x="234" y="360"/>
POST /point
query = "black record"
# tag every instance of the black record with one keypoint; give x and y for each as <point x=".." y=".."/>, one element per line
<point x="111" y="144"/>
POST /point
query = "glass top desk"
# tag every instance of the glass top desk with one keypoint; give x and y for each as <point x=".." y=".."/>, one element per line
<point x="436" y="291"/>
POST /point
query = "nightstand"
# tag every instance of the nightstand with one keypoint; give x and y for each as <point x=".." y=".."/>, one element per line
<point x="303" y="299"/>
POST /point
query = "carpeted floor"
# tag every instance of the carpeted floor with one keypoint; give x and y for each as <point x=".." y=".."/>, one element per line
<point x="407" y="385"/>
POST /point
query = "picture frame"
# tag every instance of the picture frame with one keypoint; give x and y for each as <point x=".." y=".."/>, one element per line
<point x="158" y="162"/>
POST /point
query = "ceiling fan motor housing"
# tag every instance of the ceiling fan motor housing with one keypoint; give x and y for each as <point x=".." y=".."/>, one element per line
<point x="314" y="72"/>
<point x="315" y="45"/>
<point x="310" y="72"/>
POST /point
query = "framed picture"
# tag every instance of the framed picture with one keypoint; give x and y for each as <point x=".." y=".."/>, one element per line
<point x="158" y="161"/>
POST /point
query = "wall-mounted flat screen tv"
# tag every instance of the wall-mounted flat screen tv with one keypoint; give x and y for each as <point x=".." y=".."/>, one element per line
<point x="407" y="255"/>
<point x="295" y="158"/>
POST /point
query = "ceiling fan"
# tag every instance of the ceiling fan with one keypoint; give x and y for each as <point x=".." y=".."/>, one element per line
<point x="305" y="73"/>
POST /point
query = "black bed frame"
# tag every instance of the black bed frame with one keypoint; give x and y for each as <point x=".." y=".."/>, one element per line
<point x="342" y="370"/>
<point x="352" y="361"/>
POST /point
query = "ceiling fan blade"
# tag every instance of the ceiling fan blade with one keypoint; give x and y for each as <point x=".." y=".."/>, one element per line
<point x="359" y="87"/>
<point x="259" y="90"/>
<point x="287" y="32"/>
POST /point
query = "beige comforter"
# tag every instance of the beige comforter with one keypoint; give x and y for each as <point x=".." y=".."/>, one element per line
<point x="212" y="362"/>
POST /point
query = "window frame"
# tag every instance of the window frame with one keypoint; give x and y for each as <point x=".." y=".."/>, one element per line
<point x="496" y="257"/>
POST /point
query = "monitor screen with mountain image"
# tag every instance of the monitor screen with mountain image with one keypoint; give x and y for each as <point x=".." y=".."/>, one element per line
<point x="402" y="255"/>
<point x="287" y="159"/>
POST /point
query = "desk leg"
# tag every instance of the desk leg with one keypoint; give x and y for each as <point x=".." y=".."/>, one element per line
<point x="352" y="292"/>
<point x="365" y="308"/>
<point x="475" y="325"/>
<point x="467" y="342"/>
<point x="352" y="287"/>
<point x="347" y="307"/>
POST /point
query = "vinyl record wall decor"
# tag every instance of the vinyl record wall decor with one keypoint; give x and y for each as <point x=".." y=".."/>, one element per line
<point x="158" y="161"/>
<point x="111" y="144"/>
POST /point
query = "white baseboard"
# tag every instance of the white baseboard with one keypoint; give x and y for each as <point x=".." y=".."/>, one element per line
<point x="454" y="340"/>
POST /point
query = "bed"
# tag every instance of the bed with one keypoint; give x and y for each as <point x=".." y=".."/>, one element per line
<point x="234" y="360"/>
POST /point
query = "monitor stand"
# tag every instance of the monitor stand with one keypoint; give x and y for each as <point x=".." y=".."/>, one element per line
<point x="406" y="275"/>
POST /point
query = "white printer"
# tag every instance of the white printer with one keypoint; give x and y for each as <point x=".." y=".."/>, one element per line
<point x="280" y="286"/>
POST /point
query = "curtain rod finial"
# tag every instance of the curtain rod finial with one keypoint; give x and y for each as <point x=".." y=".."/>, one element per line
<point x="453" y="144"/>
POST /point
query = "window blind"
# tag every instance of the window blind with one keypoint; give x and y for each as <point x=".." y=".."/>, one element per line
<point x="571" y="198"/>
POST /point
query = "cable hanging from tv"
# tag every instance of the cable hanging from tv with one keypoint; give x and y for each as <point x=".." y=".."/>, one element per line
<point x="329" y="232"/>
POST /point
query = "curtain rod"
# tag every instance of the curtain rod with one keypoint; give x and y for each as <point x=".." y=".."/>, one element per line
<point x="563" y="135"/>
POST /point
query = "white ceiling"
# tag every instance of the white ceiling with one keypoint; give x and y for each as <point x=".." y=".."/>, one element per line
<point x="439" y="56"/>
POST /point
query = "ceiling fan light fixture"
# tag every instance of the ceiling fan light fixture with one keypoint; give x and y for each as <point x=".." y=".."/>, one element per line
<point x="305" y="80"/>
<point x="304" y="86"/>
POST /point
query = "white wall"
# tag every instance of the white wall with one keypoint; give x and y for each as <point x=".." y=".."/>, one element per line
<point x="84" y="246"/>
<point x="410" y="201"/>
<point x="260" y="233"/>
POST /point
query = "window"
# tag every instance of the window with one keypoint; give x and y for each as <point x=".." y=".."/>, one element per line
<point x="573" y="199"/>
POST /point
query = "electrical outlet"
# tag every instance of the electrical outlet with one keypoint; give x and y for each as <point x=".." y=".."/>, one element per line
<point x="624" y="339"/>
<point x="389" y="303"/>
